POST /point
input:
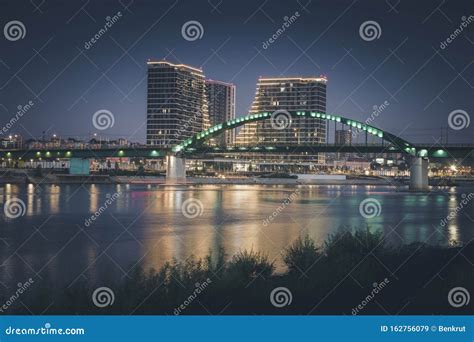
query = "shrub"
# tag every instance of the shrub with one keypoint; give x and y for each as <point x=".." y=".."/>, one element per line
<point x="246" y="266"/>
<point x="302" y="255"/>
<point x="353" y="245"/>
<point x="344" y="272"/>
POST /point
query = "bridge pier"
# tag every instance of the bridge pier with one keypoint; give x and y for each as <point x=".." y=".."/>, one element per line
<point x="175" y="169"/>
<point x="419" y="174"/>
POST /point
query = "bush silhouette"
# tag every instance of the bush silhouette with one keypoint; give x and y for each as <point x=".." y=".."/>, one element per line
<point x="332" y="279"/>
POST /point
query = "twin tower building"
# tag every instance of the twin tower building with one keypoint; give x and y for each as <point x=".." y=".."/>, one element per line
<point x="182" y="102"/>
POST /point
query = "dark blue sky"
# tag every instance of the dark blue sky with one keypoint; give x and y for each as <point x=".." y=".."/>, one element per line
<point x="405" y="66"/>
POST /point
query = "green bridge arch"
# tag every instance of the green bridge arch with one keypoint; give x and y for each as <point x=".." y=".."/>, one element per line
<point x="201" y="137"/>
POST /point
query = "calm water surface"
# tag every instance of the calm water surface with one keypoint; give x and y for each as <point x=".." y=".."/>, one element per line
<point x="145" y="224"/>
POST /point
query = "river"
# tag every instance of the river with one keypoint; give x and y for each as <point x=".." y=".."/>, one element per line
<point x="55" y="237"/>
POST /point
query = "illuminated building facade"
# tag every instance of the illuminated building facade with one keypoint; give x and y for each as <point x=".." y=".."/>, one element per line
<point x="290" y="94"/>
<point x="176" y="103"/>
<point x="343" y="137"/>
<point x="221" y="104"/>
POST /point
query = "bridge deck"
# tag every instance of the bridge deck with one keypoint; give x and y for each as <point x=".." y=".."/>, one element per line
<point x="431" y="151"/>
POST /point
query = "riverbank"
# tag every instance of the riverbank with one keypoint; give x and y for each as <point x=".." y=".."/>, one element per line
<point x="25" y="177"/>
<point x="152" y="180"/>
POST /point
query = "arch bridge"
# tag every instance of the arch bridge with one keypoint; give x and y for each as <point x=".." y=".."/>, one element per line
<point x="281" y="119"/>
<point x="196" y="145"/>
<point x="281" y="116"/>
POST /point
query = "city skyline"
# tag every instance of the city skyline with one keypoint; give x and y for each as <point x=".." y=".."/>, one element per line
<point x="303" y="160"/>
<point x="69" y="77"/>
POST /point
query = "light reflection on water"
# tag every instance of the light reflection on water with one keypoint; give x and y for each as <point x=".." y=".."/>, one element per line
<point x="145" y="223"/>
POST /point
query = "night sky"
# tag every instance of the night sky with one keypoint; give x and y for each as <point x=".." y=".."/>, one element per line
<point x="405" y="66"/>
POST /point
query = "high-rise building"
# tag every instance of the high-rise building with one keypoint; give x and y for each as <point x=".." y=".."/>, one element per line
<point x="176" y="104"/>
<point x="290" y="94"/>
<point x="221" y="103"/>
<point x="343" y="137"/>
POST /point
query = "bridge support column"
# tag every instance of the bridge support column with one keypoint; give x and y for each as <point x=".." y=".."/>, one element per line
<point x="419" y="174"/>
<point x="175" y="169"/>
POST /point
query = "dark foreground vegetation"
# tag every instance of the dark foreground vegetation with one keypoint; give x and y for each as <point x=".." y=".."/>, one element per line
<point x="334" y="279"/>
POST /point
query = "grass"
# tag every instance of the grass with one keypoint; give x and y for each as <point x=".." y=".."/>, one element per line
<point x="329" y="279"/>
